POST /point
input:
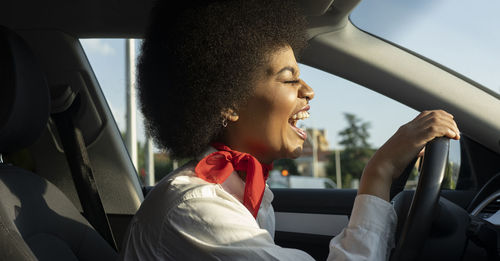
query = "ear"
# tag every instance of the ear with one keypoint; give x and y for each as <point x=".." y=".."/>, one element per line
<point x="230" y="114"/>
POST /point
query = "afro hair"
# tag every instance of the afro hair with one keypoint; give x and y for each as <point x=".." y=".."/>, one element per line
<point x="200" y="59"/>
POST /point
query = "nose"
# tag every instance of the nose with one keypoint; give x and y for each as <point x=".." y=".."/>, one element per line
<point x="305" y="91"/>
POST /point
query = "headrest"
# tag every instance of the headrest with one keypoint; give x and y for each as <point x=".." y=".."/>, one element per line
<point x="24" y="94"/>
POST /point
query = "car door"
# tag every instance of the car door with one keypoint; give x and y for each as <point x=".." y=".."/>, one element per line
<point x="307" y="219"/>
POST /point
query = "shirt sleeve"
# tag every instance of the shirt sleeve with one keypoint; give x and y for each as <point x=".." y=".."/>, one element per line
<point x="370" y="232"/>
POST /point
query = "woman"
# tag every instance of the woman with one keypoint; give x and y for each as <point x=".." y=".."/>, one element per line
<point x="219" y="83"/>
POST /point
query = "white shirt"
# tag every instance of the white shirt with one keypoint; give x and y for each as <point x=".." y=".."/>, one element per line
<point x="187" y="218"/>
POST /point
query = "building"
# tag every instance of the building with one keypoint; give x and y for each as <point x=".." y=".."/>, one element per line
<point x="315" y="154"/>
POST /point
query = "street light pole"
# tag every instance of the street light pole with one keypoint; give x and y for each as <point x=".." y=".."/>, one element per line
<point x="150" y="169"/>
<point x="131" y="133"/>
<point x="315" y="152"/>
<point x="337" y="169"/>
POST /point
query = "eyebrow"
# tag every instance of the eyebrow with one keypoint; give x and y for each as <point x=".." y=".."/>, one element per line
<point x="287" y="68"/>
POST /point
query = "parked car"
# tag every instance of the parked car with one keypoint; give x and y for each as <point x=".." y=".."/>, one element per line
<point x="277" y="180"/>
<point x="41" y="200"/>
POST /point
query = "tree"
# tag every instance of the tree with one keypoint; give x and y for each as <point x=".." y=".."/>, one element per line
<point x="357" y="151"/>
<point x="288" y="164"/>
<point x="141" y="157"/>
<point x="163" y="164"/>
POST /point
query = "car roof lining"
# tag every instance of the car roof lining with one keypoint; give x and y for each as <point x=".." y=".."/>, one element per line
<point x="112" y="18"/>
<point x="364" y="58"/>
<point x="79" y="18"/>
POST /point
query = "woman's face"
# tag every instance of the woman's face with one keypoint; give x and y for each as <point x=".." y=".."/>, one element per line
<point x="266" y="125"/>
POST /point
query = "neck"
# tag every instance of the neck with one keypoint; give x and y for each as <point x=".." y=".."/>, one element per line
<point x="255" y="150"/>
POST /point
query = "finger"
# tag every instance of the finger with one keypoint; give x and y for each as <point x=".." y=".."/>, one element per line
<point x="454" y="127"/>
<point x="443" y="112"/>
<point x="452" y="134"/>
<point x="436" y="114"/>
<point x="422" y="114"/>
<point x="442" y="119"/>
<point x="436" y="130"/>
<point x="421" y="153"/>
<point x="450" y="123"/>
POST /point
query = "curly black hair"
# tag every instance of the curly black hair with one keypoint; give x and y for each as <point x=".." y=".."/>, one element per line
<point x="200" y="59"/>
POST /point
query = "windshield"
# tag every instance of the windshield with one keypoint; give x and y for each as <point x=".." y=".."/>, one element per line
<point x="461" y="35"/>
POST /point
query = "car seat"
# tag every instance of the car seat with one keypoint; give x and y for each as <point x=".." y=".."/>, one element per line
<point x="37" y="221"/>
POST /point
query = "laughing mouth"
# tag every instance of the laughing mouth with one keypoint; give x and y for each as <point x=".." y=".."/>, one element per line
<point x="301" y="115"/>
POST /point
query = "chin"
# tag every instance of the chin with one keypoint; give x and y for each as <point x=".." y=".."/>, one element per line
<point x="295" y="153"/>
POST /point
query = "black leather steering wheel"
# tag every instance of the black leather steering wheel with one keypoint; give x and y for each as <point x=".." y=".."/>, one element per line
<point x="417" y="225"/>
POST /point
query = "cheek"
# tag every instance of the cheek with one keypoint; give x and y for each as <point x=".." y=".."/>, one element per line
<point x="266" y="122"/>
<point x="282" y="110"/>
<point x="291" y="143"/>
<point x="276" y="106"/>
<point x="270" y="114"/>
<point x="258" y="122"/>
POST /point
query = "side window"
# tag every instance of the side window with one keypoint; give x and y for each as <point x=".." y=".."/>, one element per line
<point x="348" y="123"/>
<point x="108" y="60"/>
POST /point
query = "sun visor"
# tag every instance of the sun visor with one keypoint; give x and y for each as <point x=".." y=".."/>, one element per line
<point x="315" y="8"/>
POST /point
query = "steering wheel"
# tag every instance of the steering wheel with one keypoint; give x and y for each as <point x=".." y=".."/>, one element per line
<point x="417" y="225"/>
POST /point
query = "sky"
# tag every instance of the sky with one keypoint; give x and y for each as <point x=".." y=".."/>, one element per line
<point x="461" y="35"/>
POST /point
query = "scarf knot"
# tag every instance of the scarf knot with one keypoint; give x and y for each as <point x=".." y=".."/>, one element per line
<point x="218" y="166"/>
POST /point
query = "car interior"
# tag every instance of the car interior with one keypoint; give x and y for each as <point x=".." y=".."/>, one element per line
<point x="68" y="188"/>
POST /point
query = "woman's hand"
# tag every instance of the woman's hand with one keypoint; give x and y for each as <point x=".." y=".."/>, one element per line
<point x="392" y="158"/>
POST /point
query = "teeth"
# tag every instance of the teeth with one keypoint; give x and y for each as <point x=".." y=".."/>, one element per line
<point x="301" y="115"/>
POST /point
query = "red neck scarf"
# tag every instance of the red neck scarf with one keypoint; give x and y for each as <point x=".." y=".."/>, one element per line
<point x="218" y="166"/>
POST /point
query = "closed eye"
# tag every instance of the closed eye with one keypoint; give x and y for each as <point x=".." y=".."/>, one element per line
<point x="292" y="82"/>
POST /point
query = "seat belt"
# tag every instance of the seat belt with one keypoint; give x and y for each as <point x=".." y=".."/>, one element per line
<point x="81" y="170"/>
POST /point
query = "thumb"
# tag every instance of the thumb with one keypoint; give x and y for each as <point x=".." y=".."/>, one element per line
<point x="421" y="153"/>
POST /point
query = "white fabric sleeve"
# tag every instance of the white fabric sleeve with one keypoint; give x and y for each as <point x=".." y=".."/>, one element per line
<point x="370" y="232"/>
